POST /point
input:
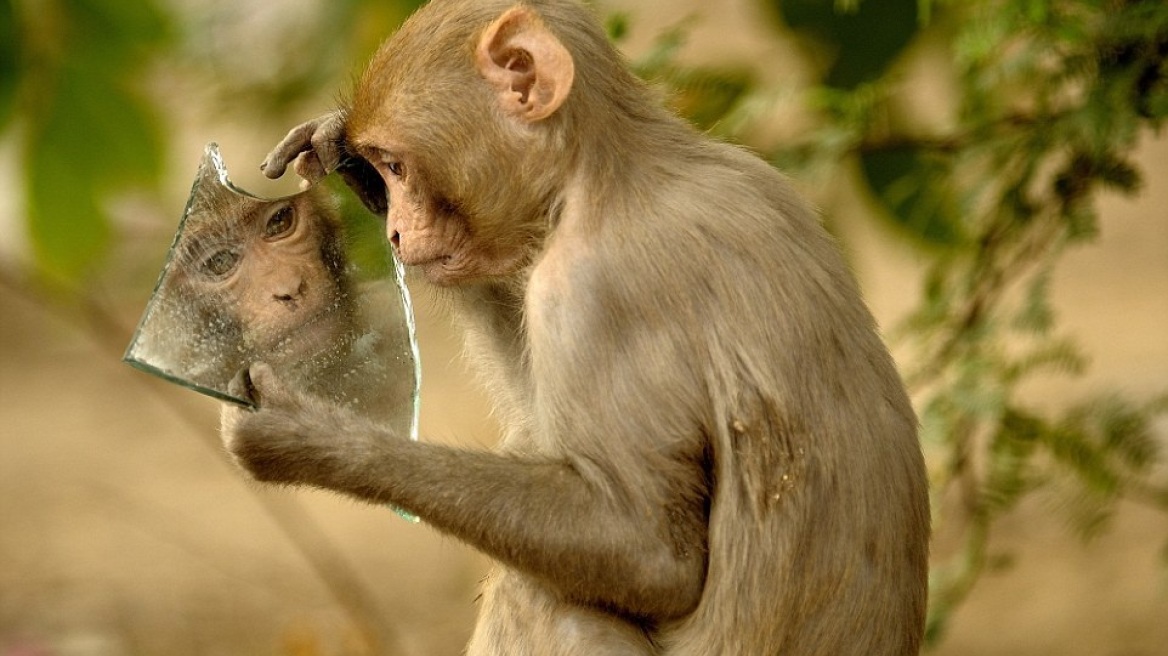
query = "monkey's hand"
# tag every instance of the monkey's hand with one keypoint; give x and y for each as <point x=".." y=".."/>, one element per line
<point x="318" y="147"/>
<point x="313" y="148"/>
<point x="293" y="437"/>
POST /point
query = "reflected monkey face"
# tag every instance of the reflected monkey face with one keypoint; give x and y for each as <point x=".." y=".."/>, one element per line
<point x="267" y="266"/>
<point x="303" y="283"/>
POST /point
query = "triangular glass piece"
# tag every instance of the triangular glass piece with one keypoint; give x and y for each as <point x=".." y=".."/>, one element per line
<point x="307" y="283"/>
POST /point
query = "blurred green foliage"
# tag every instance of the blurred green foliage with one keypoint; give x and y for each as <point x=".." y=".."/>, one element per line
<point x="914" y="185"/>
<point x="1049" y="98"/>
<point x="10" y="52"/>
<point x="855" y="42"/>
<point x="88" y="129"/>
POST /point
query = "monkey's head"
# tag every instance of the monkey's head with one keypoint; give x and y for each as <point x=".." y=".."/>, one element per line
<point x="469" y="115"/>
<point x="269" y="272"/>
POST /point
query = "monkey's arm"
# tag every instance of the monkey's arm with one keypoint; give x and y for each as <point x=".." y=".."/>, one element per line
<point x="639" y="556"/>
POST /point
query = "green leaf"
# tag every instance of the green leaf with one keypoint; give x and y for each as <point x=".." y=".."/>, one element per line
<point x="93" y="138"/>
<point x="913" y="187"/>
<point x="1009" y="478"/>
<point x="1118" y="427"/>
<point x="1051" y="356"/>
<point x="1119" y="174"/>
<point x="97" y="125"/>
<point x="616" y="25"/>
<point x="90" y="133"/>
<point x="114" y="35"/>
<point x="860" y="44"/>
<point x="69" y="231"/>
<point x="10" y="59"/>
<point x="1071" y="446"/>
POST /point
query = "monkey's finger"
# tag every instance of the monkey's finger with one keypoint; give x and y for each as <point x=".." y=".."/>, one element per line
<point x="326" y="141"/>
<point x="298" y="140"/>
<point x="265" y="384"/>
<point x="309" y="167"/>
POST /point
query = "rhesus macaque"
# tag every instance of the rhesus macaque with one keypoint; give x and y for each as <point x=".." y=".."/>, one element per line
<point x="708" y="449"/>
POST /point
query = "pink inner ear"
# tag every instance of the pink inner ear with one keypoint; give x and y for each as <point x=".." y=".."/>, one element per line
<point x="507" y="56"/>
<point x="520" y="61"/>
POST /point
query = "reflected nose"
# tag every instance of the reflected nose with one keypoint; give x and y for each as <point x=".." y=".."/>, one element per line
<point x="290" y="292"/>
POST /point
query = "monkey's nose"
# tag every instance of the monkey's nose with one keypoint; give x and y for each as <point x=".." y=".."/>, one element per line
<point x="395" y="238"/>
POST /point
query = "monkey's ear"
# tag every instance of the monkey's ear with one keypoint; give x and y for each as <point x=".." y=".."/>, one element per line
<point x="528" y="66"/>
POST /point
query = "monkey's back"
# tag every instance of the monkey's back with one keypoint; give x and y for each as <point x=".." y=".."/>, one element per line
<point x="819" y="518"/>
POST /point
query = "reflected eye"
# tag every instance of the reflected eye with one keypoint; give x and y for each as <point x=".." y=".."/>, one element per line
<point x="280" y="223"/>
<point x="220" y="263"/>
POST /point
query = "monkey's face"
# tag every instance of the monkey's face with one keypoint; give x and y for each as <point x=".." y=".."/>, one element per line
<point x="436" y="234"/>
<point x="266" y="272"/>
<point x="471" y="163"/>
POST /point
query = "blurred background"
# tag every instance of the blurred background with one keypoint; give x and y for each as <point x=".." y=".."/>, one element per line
<point x="996" y="171"/>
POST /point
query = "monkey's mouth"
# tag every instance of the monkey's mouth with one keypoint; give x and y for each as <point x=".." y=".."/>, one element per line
<point x="433" y="267"/>
<point x="417" y="257"/>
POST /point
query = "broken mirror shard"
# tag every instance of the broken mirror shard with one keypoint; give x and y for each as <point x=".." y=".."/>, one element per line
<point x="307" y="283"/>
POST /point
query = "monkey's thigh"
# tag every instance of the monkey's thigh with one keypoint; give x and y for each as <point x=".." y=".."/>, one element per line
<point x="520" y="617"/>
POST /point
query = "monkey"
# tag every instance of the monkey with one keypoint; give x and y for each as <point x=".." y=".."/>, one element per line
<point x="707" y="448"/>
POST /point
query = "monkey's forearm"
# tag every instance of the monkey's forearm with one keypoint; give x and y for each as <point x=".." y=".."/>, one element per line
<point x="541" y="517"/>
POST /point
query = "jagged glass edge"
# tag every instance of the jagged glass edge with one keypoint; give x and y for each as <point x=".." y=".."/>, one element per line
<point x="211" y="151"/>
<point x="399" y="273"/>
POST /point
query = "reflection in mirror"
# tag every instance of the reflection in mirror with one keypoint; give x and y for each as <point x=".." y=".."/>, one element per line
<point x="307" y="283"/>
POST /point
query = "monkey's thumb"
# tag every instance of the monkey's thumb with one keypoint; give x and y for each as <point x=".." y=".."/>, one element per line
<point x="262" y="382"/>
<point x="242" y="387"/>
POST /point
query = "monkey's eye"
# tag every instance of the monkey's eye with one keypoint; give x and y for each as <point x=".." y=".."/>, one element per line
<point x="396" y="168"/>
<point x="220" y="263"/>
<point x="280" y="223"/>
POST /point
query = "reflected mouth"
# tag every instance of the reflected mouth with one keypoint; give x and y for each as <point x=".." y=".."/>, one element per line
<point x="303" y="338"/>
